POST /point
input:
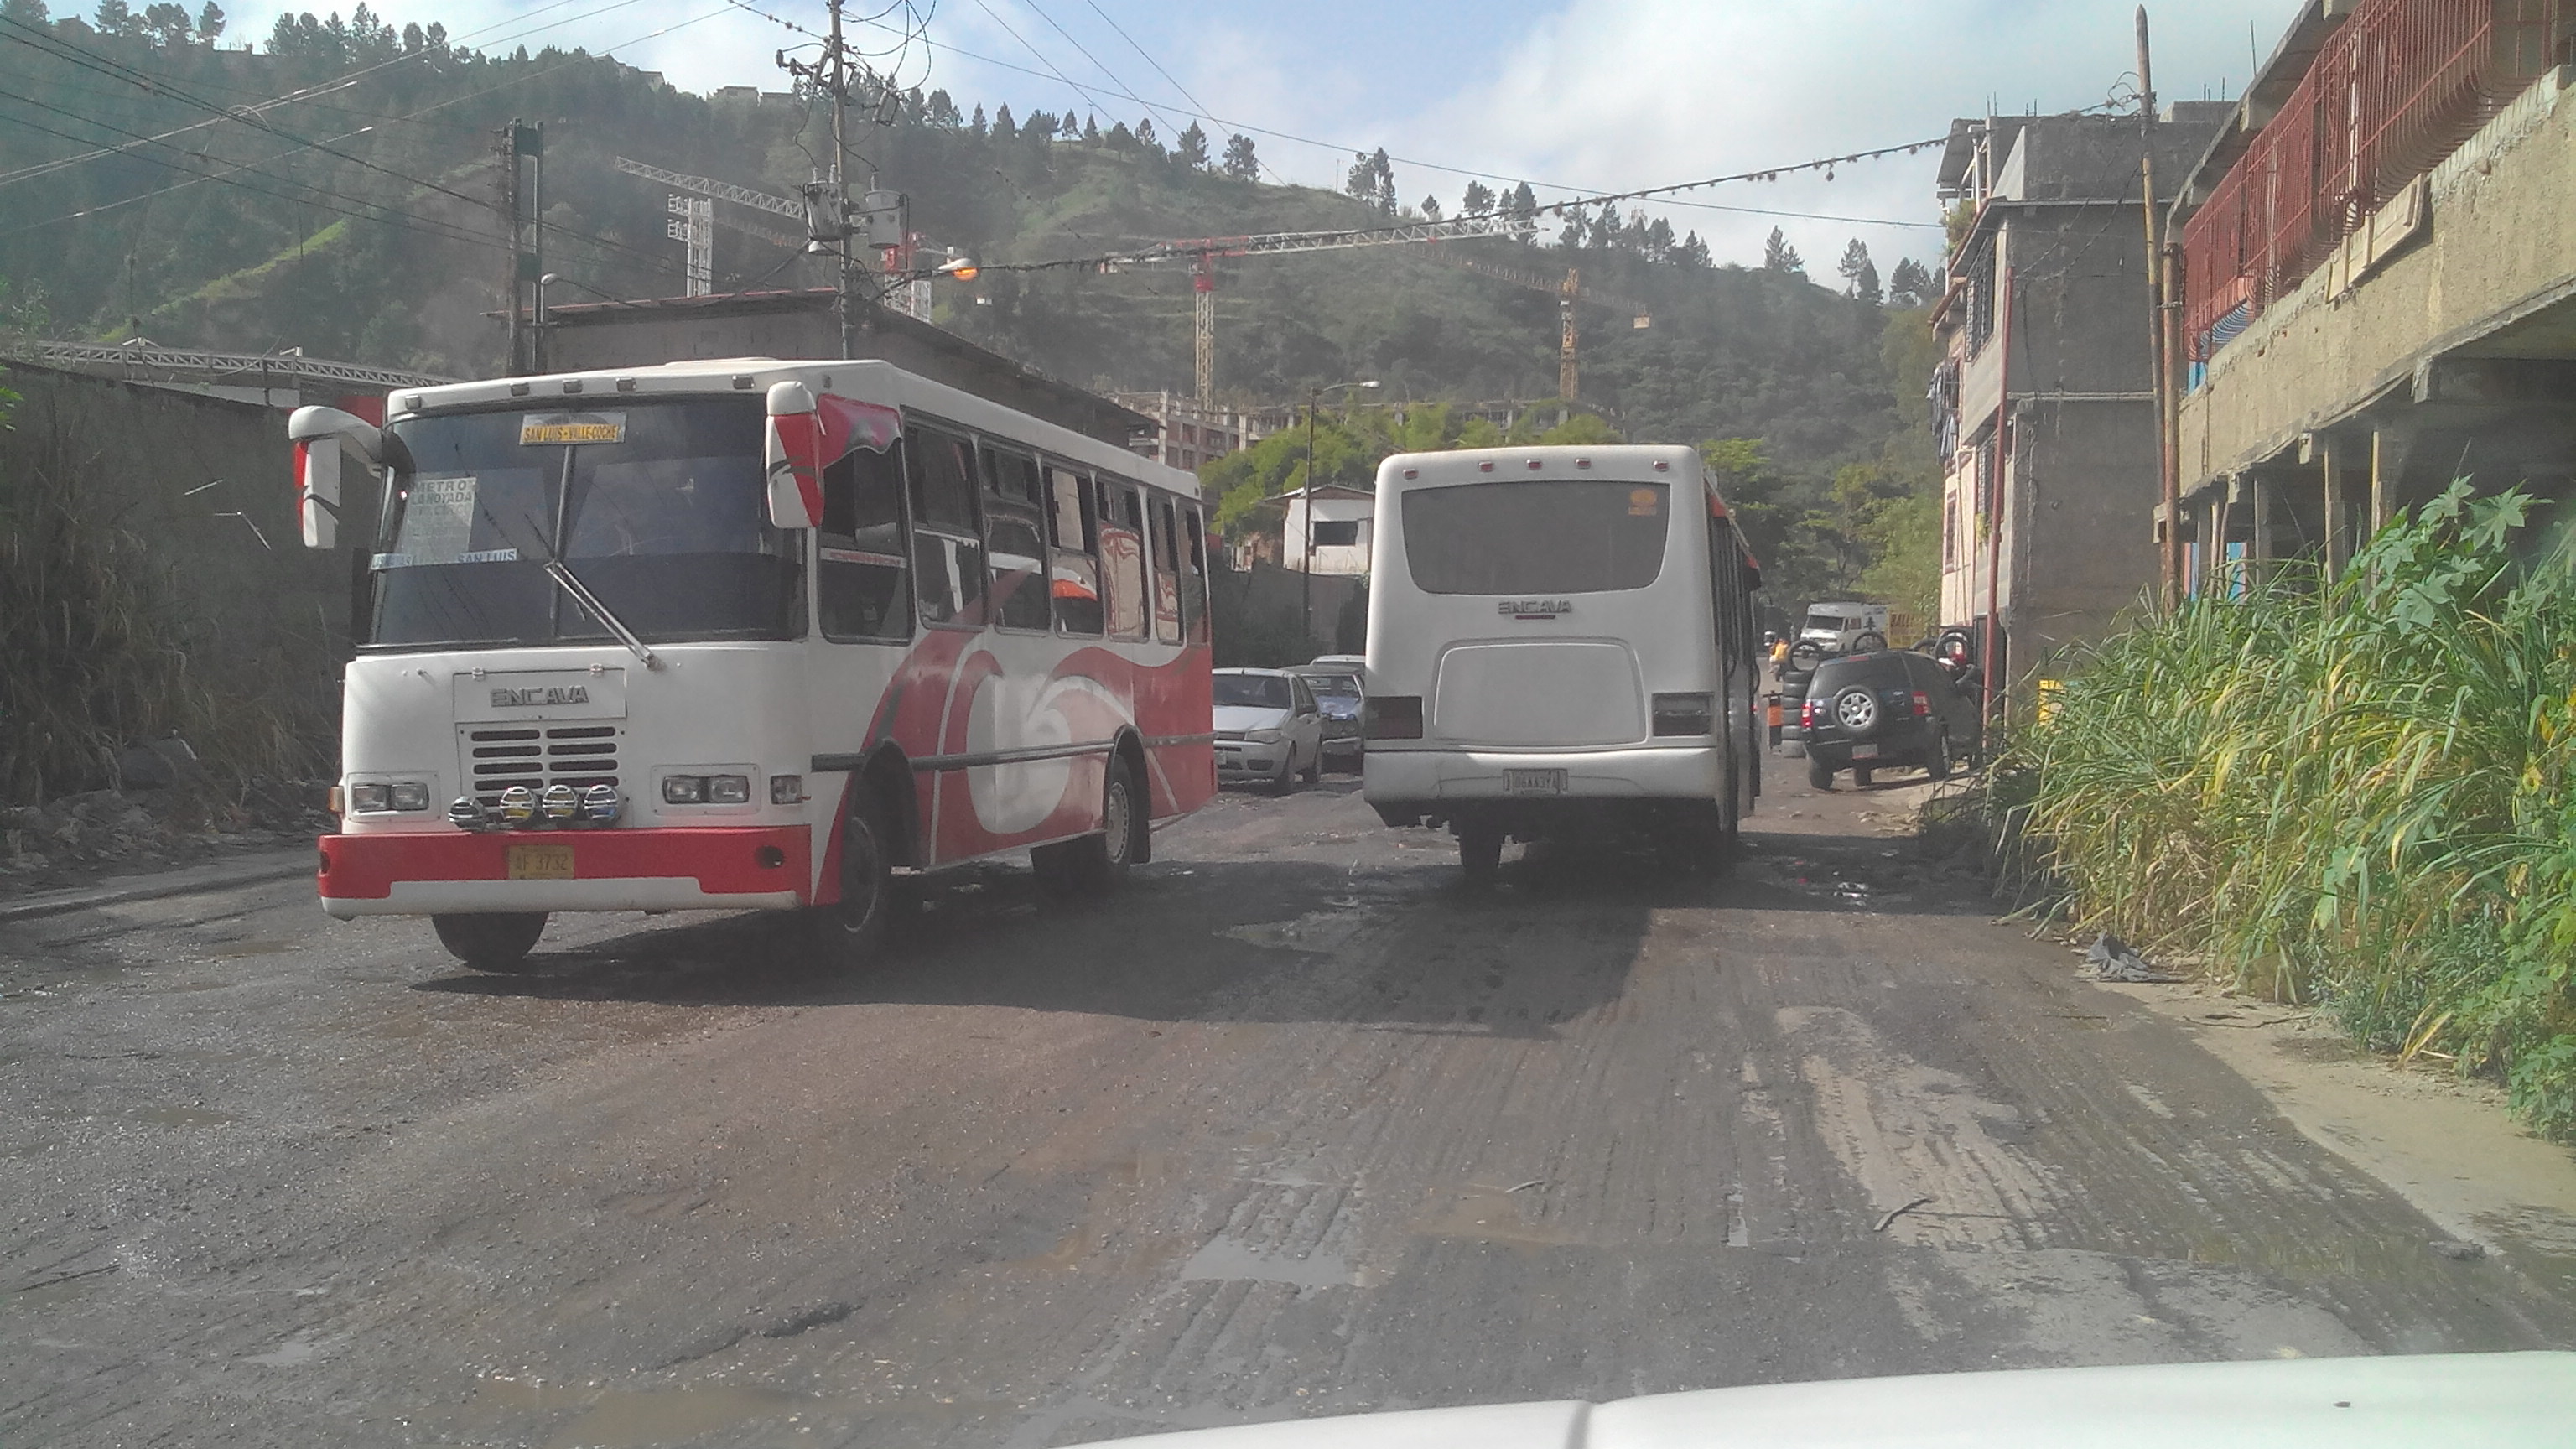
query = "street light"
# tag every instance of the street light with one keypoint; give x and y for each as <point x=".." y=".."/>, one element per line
<point x="1306" y="555"/>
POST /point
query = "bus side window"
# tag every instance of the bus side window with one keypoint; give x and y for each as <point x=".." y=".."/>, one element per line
<point x="1122" y="559"/>
<point x="1073" y="529"/>
<point x="858" y="578"/>
<point x="1167" y="574"/>
<point x="1194" y="575"/>
<point x="947" y="553"/>
<point x="1011" y="541"/>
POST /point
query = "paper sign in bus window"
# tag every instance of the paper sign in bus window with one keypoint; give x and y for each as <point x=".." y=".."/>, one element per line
<point x="1643" y="502"/>
<point x="438" y="519"/>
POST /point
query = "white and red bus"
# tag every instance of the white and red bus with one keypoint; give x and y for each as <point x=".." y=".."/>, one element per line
<point x="748" y="633"/>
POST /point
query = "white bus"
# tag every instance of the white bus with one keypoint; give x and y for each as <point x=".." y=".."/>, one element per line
<point x="748" y="633"/>
<point x="1560" y="642"/>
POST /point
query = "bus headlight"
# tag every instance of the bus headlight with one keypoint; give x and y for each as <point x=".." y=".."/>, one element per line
<point x="409" y="795"/>
<point x="728" y="790"/>
<point x="684" y="789"/>
<point x="367" y="797"/>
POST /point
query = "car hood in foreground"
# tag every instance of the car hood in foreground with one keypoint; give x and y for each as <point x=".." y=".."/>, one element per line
<point x="2496" y="1400"/>
<point x="1250" y="717"/>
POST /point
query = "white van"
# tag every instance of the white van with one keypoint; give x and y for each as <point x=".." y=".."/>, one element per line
<point x="1845" y="628"/>
<point x="1560" y="641"/>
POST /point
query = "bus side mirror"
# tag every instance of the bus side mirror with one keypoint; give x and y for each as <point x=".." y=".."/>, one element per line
<point x="322" y="437"/>
<point x="794" y="457"/>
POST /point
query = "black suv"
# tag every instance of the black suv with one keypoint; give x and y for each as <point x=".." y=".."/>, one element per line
<point x="1866" y="712"/>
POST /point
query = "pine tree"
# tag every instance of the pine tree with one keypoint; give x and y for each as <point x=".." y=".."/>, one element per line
<point x="1070" y="130"/>
<point x="1865" y="286"/>
<point x="1910" y="285"/>
<point x="210" y="24"/>
<point x="1779" y="256"/>
<point x="977" y="125"/>
<point x="1384" y="197"/>
<point x="1239" y="160"/>
<point x="1004" y="129"/>
<point x="1855" y="261"/>
<point x="1659" y="240"/>
<point x="1091" y="130"/>
<point x="1477" y="201"/>
<point x="1692" y="253"/>
<point x="1145" y="132"/>
<point x="941" y="111"/>
<point x="1360" y="182"/>
<point x="1192" y="149"/>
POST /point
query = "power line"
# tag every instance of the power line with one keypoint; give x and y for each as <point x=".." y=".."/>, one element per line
<point x="1186" y="93"/>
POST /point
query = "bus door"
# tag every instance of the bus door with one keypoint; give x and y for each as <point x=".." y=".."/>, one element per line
<point x="1008" y="690"/>
<point x="948" y="590"/>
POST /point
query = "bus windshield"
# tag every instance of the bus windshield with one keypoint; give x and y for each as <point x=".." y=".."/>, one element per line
<point x="1539" y="536"/>
<point x="659" y="507"/>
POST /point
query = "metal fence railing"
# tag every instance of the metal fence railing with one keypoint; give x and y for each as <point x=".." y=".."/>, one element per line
<point x="2391" y="93"/>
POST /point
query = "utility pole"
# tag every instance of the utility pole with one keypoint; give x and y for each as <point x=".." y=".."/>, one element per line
<point x="2159" y="295"/>
<point x="523" y="219"/>
<point x="1990" y="686"/>
<point x="1569" y="376"/>
<point x="827" y="201"/>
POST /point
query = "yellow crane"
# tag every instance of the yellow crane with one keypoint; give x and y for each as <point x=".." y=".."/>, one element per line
<point x="1567" y="291"/>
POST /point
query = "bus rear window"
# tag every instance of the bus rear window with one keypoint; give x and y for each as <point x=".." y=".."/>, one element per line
<point x="1540" y="536"/>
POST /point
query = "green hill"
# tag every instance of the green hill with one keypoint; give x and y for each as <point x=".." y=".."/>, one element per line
<point x="356" y="220"/>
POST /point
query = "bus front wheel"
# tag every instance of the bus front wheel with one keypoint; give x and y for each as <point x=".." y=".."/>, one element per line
<point x="850" y="933"/>
<point x="491" y="940"/>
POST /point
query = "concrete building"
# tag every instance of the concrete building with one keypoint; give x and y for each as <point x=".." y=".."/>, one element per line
<point x="2043" y="404"/>
<point x="1186" y="436"/>
<point x="2379" y="278"/>
<point x="798" y="322"/>
<point x="1342" y="516"/>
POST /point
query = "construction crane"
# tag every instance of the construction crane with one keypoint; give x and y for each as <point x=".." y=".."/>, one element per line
<point x="1567" y="292"/>
<point x="1203" y="252"/>
<point x="693" y="222"/>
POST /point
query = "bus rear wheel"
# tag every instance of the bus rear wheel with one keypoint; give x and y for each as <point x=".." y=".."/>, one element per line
<point x="1097" y="863"/>
<point x="491" y="940"/>
<point x="850" y="933"/>
<point x="1480" y="853"/>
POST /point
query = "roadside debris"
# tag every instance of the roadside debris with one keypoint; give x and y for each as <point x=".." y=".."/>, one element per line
<point x="2111" y="960"/>
<point x="1894" y="1213"/>
<point x="2457" y="1251"/>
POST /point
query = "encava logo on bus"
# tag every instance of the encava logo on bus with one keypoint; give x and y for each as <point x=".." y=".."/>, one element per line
<point x="1534" y="608"/>
<point x="546" y="695"/>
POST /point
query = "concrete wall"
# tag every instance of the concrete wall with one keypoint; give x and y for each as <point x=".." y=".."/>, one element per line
<point x="2080" y="548"/>
<point x="263" y="622"/>
<point x="1350" y="558"/>
<point x="2501" y="248"/>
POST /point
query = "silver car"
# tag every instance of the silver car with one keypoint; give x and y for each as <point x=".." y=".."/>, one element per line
<point x="1268" y="729"/>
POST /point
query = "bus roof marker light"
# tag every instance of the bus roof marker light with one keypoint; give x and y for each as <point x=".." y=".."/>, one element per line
<point x="1661" y="465"/>
<point x="1582" y="462"/>
<point x="626" y="384"/>
<point x="1485" y="467"/>
<point x="518" y="389"/>
<point x="1534" y="465"/>
<point x="1412" y="472"/>
<point x="572" y="384"/>
<point x="742" y="380"/>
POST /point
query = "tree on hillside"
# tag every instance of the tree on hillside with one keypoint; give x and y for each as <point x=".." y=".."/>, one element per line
<point x="1855" y="261"/>
<point x="1372" y="179"/>
<point x="940" y="111"/>
<point x="1779" y="256"/>
<point x="1068" y="130"/>
<point x="1659" y="240"/>
<point x="1145" y="135"/>
<point x="1690" y="253"/>
<point x="116" y="18"/>
<point x="25" y="12"/>
<point x="1004" y="129"/>
<point x="1910" y="285"/>
<point x="1193" y="148"/>
<point x="167" y="24"/>
<point x="1477" y="200"/>
<point x="1239" y="161"/>
<point x="210" y="24"/>
<point x="1091" y="130"/>
<point x="977" y="125"/>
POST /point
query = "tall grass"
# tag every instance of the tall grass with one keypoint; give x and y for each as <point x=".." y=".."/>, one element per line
<point x="2356" y="793"/>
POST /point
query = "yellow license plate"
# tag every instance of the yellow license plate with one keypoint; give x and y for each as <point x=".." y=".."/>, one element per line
<point x="541" y="862"/>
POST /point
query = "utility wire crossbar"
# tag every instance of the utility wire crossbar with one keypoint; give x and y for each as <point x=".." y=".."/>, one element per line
<point x="221" y="364"/>
<point x="721" y="190"/>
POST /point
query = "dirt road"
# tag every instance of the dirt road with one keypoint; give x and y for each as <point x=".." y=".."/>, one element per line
<point x="1296" y="1125"/>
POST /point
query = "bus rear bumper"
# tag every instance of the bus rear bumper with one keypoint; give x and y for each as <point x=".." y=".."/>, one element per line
<point x="1409" y="785"/>
<point x="438" y="872"/>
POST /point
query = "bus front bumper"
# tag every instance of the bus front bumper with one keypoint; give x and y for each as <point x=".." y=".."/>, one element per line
<point x="639" y="869"/>
<point x="1414" y="783"/>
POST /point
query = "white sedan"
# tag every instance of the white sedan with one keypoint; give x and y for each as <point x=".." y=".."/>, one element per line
<point x="1268" y="729"/>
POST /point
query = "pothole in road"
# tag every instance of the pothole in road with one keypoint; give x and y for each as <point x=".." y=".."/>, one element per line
<point x="1319" y="932"/>
<point x="1227" y="1260"/>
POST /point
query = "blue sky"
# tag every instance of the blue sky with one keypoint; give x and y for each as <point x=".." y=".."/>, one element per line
<point x="1571" y="95"/>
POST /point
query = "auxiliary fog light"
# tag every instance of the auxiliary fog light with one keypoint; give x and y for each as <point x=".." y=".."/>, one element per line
<point x="518" y="805"/>
<point x="599" y="804"/>
<point x="466" y="813"/>
<point x="786" y="789"/>
<point x="728" y="789"/>
<point x="561" y="801"/>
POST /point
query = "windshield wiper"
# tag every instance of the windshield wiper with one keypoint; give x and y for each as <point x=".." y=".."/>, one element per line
<point x="571" y="584"/>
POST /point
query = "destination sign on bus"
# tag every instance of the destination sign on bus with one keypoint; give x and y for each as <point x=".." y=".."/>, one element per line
<point x="541" y="429"/>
